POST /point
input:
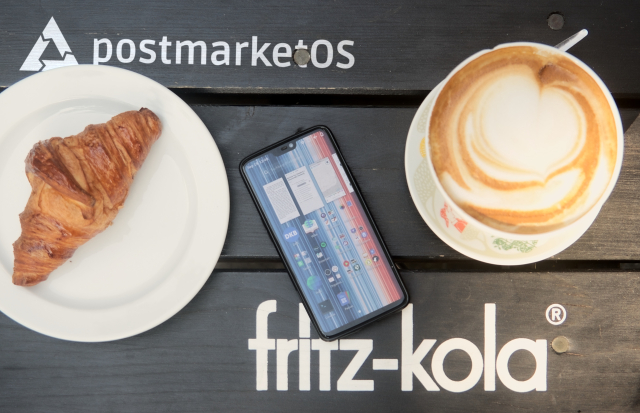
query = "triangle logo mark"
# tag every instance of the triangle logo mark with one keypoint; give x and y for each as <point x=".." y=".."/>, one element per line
<point x="51" y="32"/>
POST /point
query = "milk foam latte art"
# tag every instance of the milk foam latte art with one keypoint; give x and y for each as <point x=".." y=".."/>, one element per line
<point x="525" y="139"/>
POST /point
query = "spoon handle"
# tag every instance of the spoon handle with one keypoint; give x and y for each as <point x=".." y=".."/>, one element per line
<point x="568" y="43"/>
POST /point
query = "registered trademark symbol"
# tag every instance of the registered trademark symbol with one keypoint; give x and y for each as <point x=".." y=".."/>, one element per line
<point x="556" y="314"/>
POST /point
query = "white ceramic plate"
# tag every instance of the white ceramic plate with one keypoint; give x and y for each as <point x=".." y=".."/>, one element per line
<point x="455" y="231"/>
<point x="165" y="241"/>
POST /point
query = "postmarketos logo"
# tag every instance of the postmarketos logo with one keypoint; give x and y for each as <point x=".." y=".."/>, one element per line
<point x="50" y="32"/>
<point x="164" y="50"/>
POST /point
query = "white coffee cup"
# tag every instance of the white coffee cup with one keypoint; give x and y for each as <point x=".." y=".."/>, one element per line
<point x="587" y="218"/>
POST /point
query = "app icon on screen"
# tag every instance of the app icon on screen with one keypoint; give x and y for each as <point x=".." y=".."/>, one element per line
<point x="296" y="256"/>
<point x="323" y="244"/>
<point x="368" y="262"/>
<point x="341" y="235"/>
<point x="353" y="261"/>
<point x="361" y="228"/>
<point x="345" y="243"/>
<point x="309" y="226"/>
<point x="353" y="230"/>
<point x="346" y="263"/>
<point x="330" y="212"/>
<point x="372" y="251"/>
<point x="364" y="234"/>
<point x="356" y="267"/>
<point x="338" y="276"/>
<point x="314" y="283"/>
<point x="331" y="279"/>
<point x="326" y="222"/>
<point x="290" y="234"/>
<point x="334" y="268"/>
<point x="365" y="255"/>
<point x="325" y="306"/>
<point x="323" y="215"/>
<point x="300" y="263"/>
<point x="349" y="203"/>
<point x="343" y="298"/>
<point x="376" y="258"/>
<point x="327" y="272"/>
<point x="341" y="206"/>
<point x="319" y="255"/>
<point x="334" y="219"/>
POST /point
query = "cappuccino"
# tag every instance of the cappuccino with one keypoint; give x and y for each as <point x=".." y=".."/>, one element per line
<point x="523" y="139"/>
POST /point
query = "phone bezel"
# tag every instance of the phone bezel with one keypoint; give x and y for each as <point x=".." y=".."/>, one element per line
<point x="342" y="333"/>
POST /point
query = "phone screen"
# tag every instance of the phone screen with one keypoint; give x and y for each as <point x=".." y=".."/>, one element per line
<point x="324" y="232"/>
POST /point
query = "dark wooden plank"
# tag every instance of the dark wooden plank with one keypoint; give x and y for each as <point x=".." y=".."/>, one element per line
<point x="403" y="46"/>
<point x="373" y="143"/>
<point x="199" y="360"/>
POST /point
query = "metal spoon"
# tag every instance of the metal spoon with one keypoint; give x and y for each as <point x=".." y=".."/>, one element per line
<point x="568" y="43"/>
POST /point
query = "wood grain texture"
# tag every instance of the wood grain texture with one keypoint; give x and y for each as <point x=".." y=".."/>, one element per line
<point x="199" y="361"/>
<point x="373" y="143"/>
<point x="402" y="46"/>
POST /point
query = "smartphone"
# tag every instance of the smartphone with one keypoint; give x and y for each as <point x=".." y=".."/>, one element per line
<point x="320" y="225"/>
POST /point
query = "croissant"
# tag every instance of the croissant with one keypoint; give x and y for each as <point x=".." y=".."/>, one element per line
<point x="79" y="184"/>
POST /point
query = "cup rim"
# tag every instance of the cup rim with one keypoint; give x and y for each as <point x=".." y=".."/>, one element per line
<point x="591" y="214"/>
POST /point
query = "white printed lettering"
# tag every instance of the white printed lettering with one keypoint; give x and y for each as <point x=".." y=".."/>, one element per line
<point x="314" y="56"/>
<point x="191" y="46"/>
<point x="262" y="344"/>
<point x="277" y="54"/>
<point x="324" y="348"/>
<point x="349" y="56"/>
<point x="132" y="51"/>
<point x="385" y="364"/>
<point x="437" y="365"/>
<point x="304" y="361"/>
<point x="285" y="347"/>
<point x="258" y="54"/>
<point x="163" y="50"/>
<point x="239" y="47"/>
<point x="150" y="52"/>
<point x="301" y="45"/>
<point x="346" y="381"/>
<point x="304" y="353"/>
<point x="411" y="361"/>
<point x="304" y="323"/>
<point x="282" y="53"/>
<point x="538" y="380"/>
<point x="96" y="51"/>
<point x="225" y="53"/>
<point x="490" y="347"/>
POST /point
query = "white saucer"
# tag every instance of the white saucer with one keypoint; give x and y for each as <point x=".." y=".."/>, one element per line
<point x="455" y="232"/>
<point x="164" y="242"/>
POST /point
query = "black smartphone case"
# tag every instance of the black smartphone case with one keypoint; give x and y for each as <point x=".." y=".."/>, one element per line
<point x="274" y="238"/>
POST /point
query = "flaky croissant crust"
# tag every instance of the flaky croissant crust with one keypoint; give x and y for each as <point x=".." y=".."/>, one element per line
<point x="79" y="184"/>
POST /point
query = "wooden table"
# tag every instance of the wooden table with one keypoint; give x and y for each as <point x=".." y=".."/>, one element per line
<point x="199" y="360"/>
